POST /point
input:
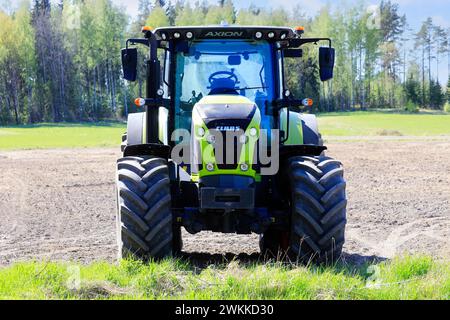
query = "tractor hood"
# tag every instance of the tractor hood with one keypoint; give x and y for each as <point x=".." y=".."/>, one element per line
<point x="237" y="119"/>
<point x="226" y="112"/>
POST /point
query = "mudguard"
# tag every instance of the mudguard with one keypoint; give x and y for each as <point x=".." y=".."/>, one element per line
<point x="136" y="133"/>
<point x="310" y="129"/>
<point x="137" y="139"/>
<point x="303" y="128"/>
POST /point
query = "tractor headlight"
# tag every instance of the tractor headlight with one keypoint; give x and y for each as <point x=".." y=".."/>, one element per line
<point x="243" y="139"/>
<point x="200" y="132"/>
<point x="244" y="167"/>
<point x="189" y="35"/>
<point x="253" y="132"/>
<point x="271" y="35"/>
<point x="177" y="35"/>
<point x="210" y="167"/>
<point x="211" y="139"/>
<point x="258" y="35"/>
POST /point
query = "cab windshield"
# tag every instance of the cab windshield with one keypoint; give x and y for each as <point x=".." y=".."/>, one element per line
<point x="209" y="67"/>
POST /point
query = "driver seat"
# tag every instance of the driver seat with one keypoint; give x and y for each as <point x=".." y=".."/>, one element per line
<point x="223" y="86"/>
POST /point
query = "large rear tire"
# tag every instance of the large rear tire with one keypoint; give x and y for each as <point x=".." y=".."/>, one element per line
<point x="144" y="221"/>
<point x="318" y="204"/>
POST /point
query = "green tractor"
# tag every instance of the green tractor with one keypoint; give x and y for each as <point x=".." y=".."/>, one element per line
<point x="222" y="146"/>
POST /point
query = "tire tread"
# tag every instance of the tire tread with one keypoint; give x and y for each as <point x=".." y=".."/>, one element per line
<point x="144" y="208"/>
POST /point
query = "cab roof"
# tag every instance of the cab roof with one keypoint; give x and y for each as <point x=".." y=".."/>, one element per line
<point x="225" y="32"/>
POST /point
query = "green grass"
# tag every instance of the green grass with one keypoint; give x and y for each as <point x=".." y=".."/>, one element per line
<point x="47" y="136"/>
<point x="409" y="277"/>
<point x="384" y="123"/>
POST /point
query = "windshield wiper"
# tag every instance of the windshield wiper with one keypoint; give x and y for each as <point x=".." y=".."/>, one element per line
<point x="251" y="88"/>
<point x="216" y="53"/>
<point x="225" y="90"/>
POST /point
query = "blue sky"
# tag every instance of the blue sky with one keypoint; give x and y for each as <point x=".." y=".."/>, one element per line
<point x="416" y="10"/>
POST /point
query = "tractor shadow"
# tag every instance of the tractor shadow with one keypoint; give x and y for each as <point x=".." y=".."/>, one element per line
<point x="202" y="260"/>
<point x="358" y="260"/>
<point x="348" y="263"/>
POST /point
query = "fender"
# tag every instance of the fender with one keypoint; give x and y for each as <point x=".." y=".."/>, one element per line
<point x="148" y="149"/>
<point x="310" y="129"/>
<point x="287" y="152"/>
<point x="303" y="139"/>
<point x="137" y="139"/>
<point x="303" y="128"/>
<point x="136" y="133"/>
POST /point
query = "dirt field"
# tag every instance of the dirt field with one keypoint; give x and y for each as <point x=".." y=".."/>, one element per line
<point x="59" y="204"/>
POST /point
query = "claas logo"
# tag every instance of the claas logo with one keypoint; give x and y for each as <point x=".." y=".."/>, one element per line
<point x="228" y="128"/>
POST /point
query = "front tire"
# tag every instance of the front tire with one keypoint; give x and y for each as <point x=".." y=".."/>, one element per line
<point x="318" y="205"/>
<point x="124" y="143"/>
<point x="144" y="221"/>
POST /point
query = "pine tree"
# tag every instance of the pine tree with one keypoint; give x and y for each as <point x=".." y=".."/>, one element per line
<point x="437" y="97"/>
<point x="158" y="17"/>
<point x="392" y="24"/>
<point x="412" y="91"/>
<point x="448" y="90"/>
<point x="440" y="38"/>
<point x="423" y="40"/>
<point x="171" y="13"/>
<point x="189" y="16"/>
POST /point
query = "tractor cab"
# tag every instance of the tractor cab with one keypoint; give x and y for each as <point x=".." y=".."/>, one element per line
<point x="222" y="60"/>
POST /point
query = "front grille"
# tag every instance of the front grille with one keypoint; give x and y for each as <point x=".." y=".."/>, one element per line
<point x="227" y="166"/>
<point x="231" y="148"/>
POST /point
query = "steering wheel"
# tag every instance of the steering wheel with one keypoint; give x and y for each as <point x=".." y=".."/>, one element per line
<point x="230" y="74"/>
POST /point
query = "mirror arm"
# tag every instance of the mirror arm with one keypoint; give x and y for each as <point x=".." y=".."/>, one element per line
<point x="296" y="43"/>
<point x="134" y="41"/>
<point x="158" y="102"/>
<point x="286" y="103"/>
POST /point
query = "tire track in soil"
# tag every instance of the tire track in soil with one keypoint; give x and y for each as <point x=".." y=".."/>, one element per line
<point x="403" y="234"/>
<point x="60" y="204"/>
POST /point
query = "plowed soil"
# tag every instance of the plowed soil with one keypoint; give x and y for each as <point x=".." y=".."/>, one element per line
<point x="60" y="204"/>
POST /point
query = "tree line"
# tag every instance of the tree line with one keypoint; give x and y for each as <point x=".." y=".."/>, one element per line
<point x="61" y="62"/>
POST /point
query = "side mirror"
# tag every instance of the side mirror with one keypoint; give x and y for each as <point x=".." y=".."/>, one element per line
<point x="129" y="63"/>
<point x="326" y="63"/>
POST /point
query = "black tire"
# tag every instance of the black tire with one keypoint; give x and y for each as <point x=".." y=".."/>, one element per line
<point x="144" y="221"/>
<point x="177" y="240"/>
<point x="321" y="143"/>
<point x="124" y="142"/>
<point x="320" y="140"/>
<point x="271" y="244"/>
<point x="318" y="204"/>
